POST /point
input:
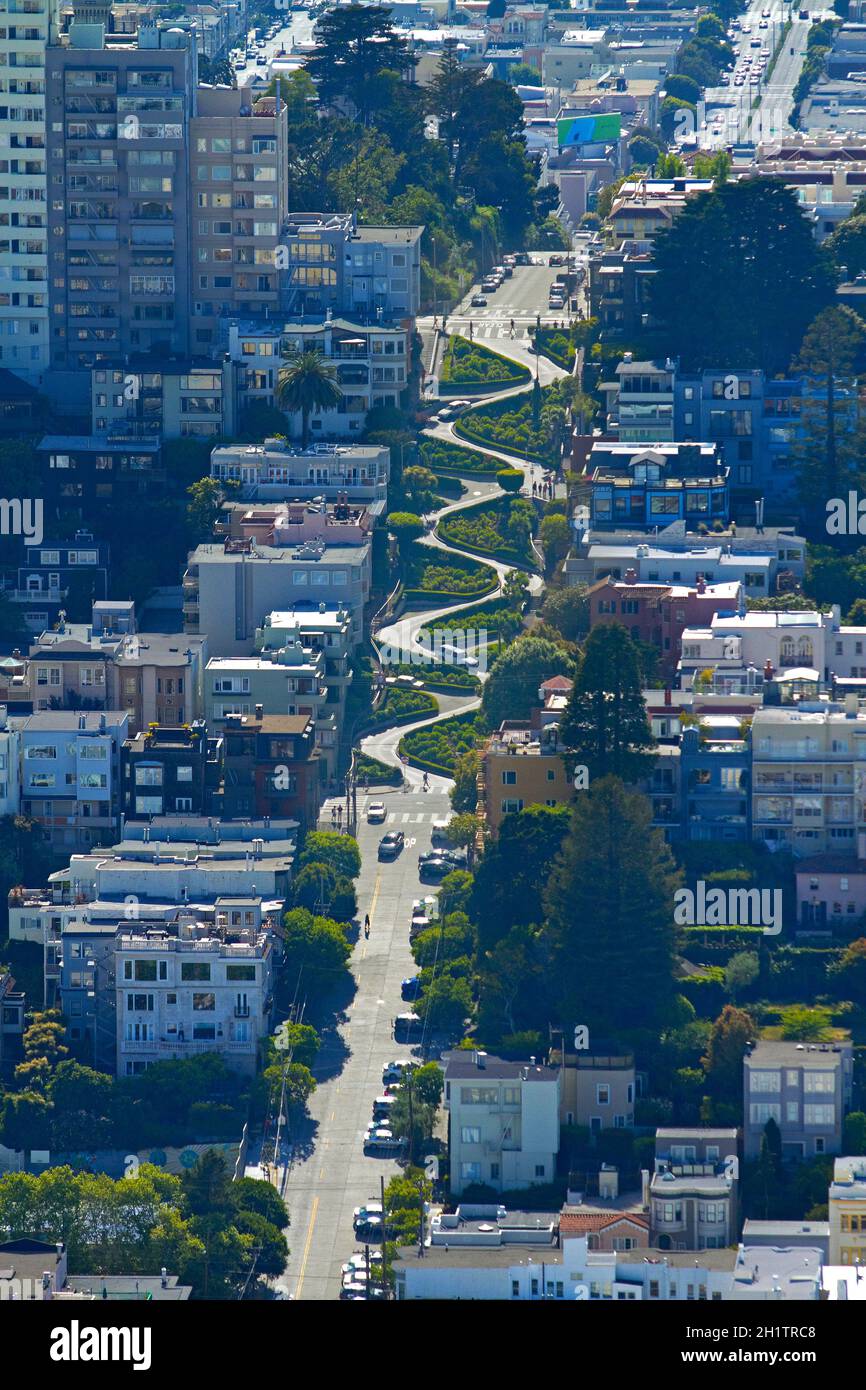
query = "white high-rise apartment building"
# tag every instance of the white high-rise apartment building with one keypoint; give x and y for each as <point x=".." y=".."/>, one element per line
<point x="26" y="27"/>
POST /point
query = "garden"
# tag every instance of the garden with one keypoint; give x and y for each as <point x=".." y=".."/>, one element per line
<point x="452" y="680"/>
<point x="402" y="706"/>
<point x="371" y="772"/>
<point x="428" y="577"/>
<point x="437" y="747"/>
<point x="560" y="344"/>
<point x="531" y="425"/>
<point x="501" y="529"/>
<point x="440" y="456"/>
<point x="471" y="366"/>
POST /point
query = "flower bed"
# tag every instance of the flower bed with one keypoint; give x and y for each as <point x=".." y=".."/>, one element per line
<point x="441" y="456"/>
<point x="371" y="772"/>
<point x="430" y="578"/>
<point x="438" y="747"/>
<point x="508" y="425"/>
<point x="471" y="366"/>
<point x="485" y="529"/>
<point x="452" y="680"/>
<point x="402" y="707"/>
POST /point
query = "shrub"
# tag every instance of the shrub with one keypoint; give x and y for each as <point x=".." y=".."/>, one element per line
<point x="440" y="745"/>
<point x="517" y="425"/>
<point x="472" y="364"/>
<point x="501" y="528"/>
<point x="399" y="706"/>
<point x="441" y="456"/>
<point x="510" y="479"/>
<point x="375" y="773"/>
<point x="426" y="572"/>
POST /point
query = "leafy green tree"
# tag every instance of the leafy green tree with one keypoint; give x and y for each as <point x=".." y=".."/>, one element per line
<point x="723" y="1062"/>
<point x="510" y="479"/>
<point x="268" y="1244"/>
<point x="253" y="1194"/>
<point x="419" y="485"/>
<point x="354" y="46"/>
<point x="454" y="892"/>
<point x="685" y="88"/>
<point x="555" y="538"/>
<point x="752" y="234"/>
<point x="511" y="877"/>
<point x="340" y="851"/>
<point x="511" y="689"/>
<point x="206" y="499"/>
<point x="611" y="952"/>
<point x="605" y="723"/>
<point x="832" y="438"/>
<point x="307" y="383"/>
<point x="854" y="1133"/>
<point x="464" y="792"/>
<point x="741" y="971"/>
<point x="568" y="611"/>
<point x="672" y="117"/>
<point x="445" y="1002"/>
<point x="316" y="945"/>
<point x="82" y="1106"/>
<point x="644" y="149"/>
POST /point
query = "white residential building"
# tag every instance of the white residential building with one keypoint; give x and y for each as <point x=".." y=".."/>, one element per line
<point x="28" y="27"/>
<point x="847" y="1211"/>
<point x="203" y="990"/>
<point x="503" y="1122"/>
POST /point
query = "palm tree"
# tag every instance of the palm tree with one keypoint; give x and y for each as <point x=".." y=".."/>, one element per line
<point x="307" y="383"/>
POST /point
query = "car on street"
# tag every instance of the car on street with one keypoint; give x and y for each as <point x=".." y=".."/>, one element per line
<point x="371" y="1208"/>
<point x="393" y="1072"/>
<point x="410" y="988"/>
<point x="434" y="870"/>
<point x="391" y="844"/>
<point x="381" y="1140"/>
<point x="382" y="1107"/>
<point x="478" y="301"/>
<point x="376" y="813"/>
<point x="555" y="260"/>
<point x="407" y="1028"/>
<point x="354" y="1292"/>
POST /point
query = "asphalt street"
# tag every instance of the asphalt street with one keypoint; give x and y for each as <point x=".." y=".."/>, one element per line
<point x="329" y="1174"/>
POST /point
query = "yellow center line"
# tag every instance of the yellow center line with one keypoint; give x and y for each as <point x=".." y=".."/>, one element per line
<point x="307" y="1245"/>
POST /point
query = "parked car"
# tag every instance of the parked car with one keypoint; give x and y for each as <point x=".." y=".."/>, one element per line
<point x="381" y="1140"/>
<point x="434" y="870"/>
<point x="410" y="988"/>
<point x="382" y="1107"/>
<point x="394" y="1071"/>
<point x="391" y="844"/>
<point x="376" y="813"/>
<point x="556" y="260"/>
<point x="407" y="1027"/>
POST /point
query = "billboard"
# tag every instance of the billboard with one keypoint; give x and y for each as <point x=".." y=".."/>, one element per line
<point x="587" y="130"/>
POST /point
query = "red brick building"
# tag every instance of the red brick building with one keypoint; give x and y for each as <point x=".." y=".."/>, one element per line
<point x="659" y="613"/>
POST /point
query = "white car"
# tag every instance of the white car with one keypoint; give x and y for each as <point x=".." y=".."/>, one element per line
<point x="392" y="1072"/>
<point x="376" y="813"/>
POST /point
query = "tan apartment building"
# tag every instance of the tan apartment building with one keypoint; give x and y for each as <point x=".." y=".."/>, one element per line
<point x="597" y="1087"/>
<point x="847" y="1211"/>
<point x="238" y="196"/>
<point x="520" y="767"/>
<point x="158" y="678"/>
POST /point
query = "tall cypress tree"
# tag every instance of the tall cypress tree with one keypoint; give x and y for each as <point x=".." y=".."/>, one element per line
<point x="605" y="724"/>
<point x="610" y="932"/>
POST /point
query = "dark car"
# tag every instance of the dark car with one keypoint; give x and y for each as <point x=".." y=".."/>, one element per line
<point x="455" y="857"/>
<point x="407" y="1028"/>
<point x="411" y="987"/>
<point x="434" y="870"/>
<point x="391" y="844"/>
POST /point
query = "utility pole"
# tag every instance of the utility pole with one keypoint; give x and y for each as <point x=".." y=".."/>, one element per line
<point x="421" y="1215"/>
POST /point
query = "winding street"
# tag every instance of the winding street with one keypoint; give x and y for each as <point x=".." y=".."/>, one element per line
<point x="326" y="1173"/>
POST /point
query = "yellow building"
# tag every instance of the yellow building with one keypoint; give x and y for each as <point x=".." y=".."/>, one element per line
<point x="520" y="767"/>
<point x="847" y="1211"/>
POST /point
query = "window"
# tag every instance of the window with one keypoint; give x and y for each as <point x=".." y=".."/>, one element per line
<point x="602" y="1094"/>
<point x="819" y="1081"/>
<point x="540" y="1172"/>
<point x="819" y="1115"/>
<point x="203" y="1003"/>
<point x="470" y="1134"/>
<point x="764" y="1081"/>
<point x="509" y="778"/>
<point x="195" y="970"/>
<point x="240" y="972"/>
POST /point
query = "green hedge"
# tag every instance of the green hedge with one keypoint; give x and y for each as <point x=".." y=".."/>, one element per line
<point x="432" y="574"/>
<point x="402" y="707"/>
<point x="507" y="425"/>
<point x="375" y="772"/>
<point x="470" y="366"/>
<point x="482" y="528"/>
<point x="441" y="456"/>
<point x="449" y="679"/>
<point x="441" y="744"/>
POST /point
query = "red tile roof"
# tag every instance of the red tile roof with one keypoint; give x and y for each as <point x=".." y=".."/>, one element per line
<point x="580" y="1223"/>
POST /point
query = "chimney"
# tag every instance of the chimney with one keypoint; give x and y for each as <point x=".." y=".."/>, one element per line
<point x="163" y="1277"/>
<point x="701" y="585"/>
<point x="644" y="1188"/>
<point x="769" y="670"/>
<point x="46" y="1284"/>
<point x="481" y="1060"/>
<point x="260" y="711"/>
<point x="851" y="706"/>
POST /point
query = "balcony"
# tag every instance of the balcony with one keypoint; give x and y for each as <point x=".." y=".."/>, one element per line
<point x="187" y="1048"/>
